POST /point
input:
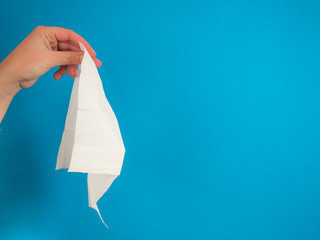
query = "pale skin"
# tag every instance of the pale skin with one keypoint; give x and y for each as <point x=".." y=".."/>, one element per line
<point x="43" y="49"/>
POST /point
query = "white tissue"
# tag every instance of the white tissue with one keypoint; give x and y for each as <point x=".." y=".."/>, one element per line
<point x="91" y="142"/>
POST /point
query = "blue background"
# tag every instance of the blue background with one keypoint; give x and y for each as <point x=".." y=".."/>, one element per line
<point x="218" y="105"/>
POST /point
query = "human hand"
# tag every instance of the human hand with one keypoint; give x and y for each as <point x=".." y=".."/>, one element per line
<point x="43" y="49"/>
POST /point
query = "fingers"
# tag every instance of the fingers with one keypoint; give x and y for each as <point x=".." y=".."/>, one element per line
<point x="97" y="62"/>
<point x="71" y="59"/>
<point x="67" y="46"/>
<point x="65" y="35"/>
<point x="73" y="71"/>
<point x="68" y="42"/>
<point x="60" y="72"/>
<point x="60" y="58"/>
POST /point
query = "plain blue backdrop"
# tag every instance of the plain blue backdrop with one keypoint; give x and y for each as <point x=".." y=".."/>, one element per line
<point x="218" y="105"/>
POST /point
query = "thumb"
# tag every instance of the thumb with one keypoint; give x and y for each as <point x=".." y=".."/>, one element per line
<point x="60" y="58"/>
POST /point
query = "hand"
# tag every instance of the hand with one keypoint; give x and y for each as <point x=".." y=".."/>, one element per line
<point x="43" y="49"/>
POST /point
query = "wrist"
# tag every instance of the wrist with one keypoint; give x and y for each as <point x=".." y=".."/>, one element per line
<point x="8" y="86"/>
<point x="8" y="89"/>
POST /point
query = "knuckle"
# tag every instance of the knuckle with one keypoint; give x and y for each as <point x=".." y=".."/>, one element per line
<point x="68" y="59"/>
<point x="39" y="28"/>
<point x="71" y="32"/>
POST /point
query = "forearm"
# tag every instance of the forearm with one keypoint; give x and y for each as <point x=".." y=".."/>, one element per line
<point x="8" y="88"/>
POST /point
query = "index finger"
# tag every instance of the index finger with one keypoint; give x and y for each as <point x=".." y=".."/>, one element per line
<point x="63" y="35"/>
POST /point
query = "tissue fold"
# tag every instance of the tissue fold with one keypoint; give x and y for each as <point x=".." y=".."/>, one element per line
<point x="91" y="141"/>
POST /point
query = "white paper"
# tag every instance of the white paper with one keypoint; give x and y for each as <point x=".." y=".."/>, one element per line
<point x="91" y="142"/>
